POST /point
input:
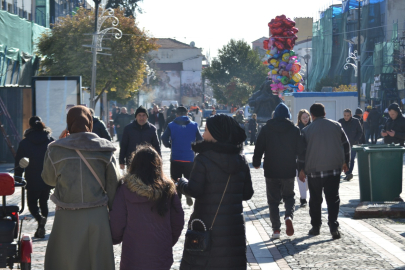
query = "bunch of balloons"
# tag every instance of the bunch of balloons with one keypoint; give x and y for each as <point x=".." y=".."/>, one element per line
<point x="282" y="61"/>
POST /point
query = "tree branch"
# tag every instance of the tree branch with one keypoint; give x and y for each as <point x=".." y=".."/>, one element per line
<point x="106" y="86"/>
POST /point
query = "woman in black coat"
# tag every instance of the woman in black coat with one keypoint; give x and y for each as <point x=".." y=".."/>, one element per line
<point x="34" y="146"/>
<point x="219" y="158"/>
<point x="253" y="129"/>
<point x="394" y="129"/>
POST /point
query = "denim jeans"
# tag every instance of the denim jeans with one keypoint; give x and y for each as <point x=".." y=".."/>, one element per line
<point x="330" y="186"/>
<point x="276" y="189"/>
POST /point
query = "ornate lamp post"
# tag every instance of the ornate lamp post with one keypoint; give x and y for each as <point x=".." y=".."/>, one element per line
<point x="97" y="43"/>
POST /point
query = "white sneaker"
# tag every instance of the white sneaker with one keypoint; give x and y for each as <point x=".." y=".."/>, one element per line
<point x="276" y="235"/>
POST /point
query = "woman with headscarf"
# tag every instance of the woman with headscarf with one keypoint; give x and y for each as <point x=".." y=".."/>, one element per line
<point x="394" y="129"/>
<point x="219" y="161"/>
<point x="83" y="170"/>
<point x="33" y="146"/>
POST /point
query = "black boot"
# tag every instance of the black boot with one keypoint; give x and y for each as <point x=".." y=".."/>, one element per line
<point x="314" y="231"/>
<point x="40" y="233"/>
<point x="303" y="202"/>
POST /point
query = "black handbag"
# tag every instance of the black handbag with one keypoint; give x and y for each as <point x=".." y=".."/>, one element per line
<point x="197" y="241"/>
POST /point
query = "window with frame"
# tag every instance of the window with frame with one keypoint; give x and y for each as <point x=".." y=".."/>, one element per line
<point x="10" y="8"/>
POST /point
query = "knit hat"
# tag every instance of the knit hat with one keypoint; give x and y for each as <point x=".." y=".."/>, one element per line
<point x="79" y="119"/>
<point x="225" y="129"/>
<point x="359" y="111"/>
<point x="282" y="111"/>
<point x="142" y="109"/>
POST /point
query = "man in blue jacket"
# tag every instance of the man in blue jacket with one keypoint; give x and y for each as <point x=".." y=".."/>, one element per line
<point x="179" y="135"/>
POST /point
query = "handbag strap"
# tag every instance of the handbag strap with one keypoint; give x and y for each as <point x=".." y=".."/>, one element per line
<point x="91" y="169"/>
<point x="212" y="225"/>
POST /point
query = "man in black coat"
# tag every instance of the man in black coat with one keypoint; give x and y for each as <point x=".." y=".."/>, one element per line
<point x="354" y="132"/>
<point x="359" y="116"/>
<point x="158" y="120"/>
<point x="280" y="141"/>
<point x="394" y="128"/>
<point x="374" y="120"/>
<point x="138" y="132"/>
<point x="34" y="146"/>
<point x="121" y="121"/>
<point x="170" y="118"/>
<point x="99" y="128"/>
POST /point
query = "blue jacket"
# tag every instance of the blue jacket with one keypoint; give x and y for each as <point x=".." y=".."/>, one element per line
<point x="179" y="135"/>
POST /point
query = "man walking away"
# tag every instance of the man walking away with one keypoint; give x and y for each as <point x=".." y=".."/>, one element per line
<point x="121" y="121"/>
<point x="158" y="120"/>
<point x="253" y="129"/>
<point x="179" y="135"/>
<point x="327" y="155"/>
<point x="374" y="120"/>
<point x="99" y="128"/>
<point x="170" y="118"/>
<point x="354" y="132"/>
<point x="359" y="116"/>
<point x="280" y="141"/>
<point x="138" y="132"/>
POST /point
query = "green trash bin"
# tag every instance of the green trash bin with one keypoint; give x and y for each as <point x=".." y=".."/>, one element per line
<point x="364" y="176"/>
<point x="385" y="171"/>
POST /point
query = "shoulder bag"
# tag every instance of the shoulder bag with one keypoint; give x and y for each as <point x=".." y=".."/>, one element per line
<point x="91" y="169"/>
<point x="201" y="240"/>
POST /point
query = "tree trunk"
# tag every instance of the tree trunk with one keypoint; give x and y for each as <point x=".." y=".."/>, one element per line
<point x="106" y="87"/>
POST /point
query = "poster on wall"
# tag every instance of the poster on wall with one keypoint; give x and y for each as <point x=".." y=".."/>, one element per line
<point x="51" y="96"/>
<point x="168" y="87"/>
<point x="191" y="88"/>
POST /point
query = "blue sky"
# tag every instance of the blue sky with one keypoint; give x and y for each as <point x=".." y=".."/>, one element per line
<point x="212" y="23"/>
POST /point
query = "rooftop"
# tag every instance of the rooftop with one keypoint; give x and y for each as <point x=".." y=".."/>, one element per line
<point x="169" y="43"/>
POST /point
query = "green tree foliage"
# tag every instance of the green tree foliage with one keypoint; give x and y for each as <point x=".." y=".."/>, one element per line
<point x="236" y="59"/>
<point x="130" y="6"/>
<point x="328" y="82"/>
<point x="121" y="74"/>
<point x="236" y="91"/>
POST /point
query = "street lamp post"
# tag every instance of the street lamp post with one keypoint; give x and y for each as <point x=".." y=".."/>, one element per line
<point x="97" y="43"/>
<point x="359" y="56"/>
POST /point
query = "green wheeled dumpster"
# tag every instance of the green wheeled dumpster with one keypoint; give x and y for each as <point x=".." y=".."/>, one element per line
<point x="364" y="176"/>
<point x="384" y="170"/>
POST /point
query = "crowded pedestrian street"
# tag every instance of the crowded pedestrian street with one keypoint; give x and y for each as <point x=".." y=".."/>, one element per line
<point x="365" y="243"/>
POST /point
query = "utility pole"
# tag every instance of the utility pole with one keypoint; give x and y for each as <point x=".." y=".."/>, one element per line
<point x="94" y="63"/>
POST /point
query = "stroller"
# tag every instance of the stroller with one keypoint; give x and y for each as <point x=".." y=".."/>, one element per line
<point x="14" y="247"/>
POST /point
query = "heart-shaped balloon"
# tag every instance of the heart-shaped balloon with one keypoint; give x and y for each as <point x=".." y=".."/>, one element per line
<point x="265" y="44"/>
<point x="295" y="30"/>
<point x="279" y="45"/>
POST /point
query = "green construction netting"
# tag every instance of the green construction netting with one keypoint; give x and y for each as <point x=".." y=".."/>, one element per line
<point x="334" y="37"/>
<point x="321" y="48"/>
<point x="17" y="47"/>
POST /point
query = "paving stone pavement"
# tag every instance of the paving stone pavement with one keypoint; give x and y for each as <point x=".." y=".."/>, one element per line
<point x="365" y="244"/>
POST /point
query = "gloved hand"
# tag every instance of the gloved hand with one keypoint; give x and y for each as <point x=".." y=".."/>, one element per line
<point x="181" y="183"/>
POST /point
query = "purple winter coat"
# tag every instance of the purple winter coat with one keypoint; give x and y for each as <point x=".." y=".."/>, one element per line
<point x="147" y="238"/>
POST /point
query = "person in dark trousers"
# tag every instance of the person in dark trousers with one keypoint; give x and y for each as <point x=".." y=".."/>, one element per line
<point x="394" y="129"/>
<point x="374" y="120"/>
<point x="220" y="160"/>
<point x="121" y="121"/>
<point x="327" y="155"/>
<point x="99" y="128"/>
<point x="138" y="132"/>
<point x="33" y="146"/>
<point x="113" y="111"/>
<point x="354" y="132"/>
<point x="359" y="116"/>
<point x="280" y="141"/>
<point x="158" y="120"/>
<point x="170" y="118"/>
<point x="253" y="129"/>
<point x="179" y="135"/>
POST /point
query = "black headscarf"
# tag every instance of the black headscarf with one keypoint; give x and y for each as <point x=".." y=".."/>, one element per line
<point x="225" y="129"/>
<point x="395" y="107"/>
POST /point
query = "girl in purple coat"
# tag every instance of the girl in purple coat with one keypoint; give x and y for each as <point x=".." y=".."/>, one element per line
<point x="146" y="216"/>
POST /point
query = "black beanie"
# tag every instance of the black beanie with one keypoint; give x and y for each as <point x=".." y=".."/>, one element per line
<point x="141" y="109"/>
<point x="225" y="129"/>
<point x="359" y="111"/>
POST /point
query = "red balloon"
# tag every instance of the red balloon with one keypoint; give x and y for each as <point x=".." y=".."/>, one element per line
<point x="295" y="30"/>
<point x="266" y="44"/>
<point x="279" y="39"/>
<point x="280" y="18"/>
<point x="276" y="31"/>
<point x="271" y="22"/>
<point x="279" y="45"/>
<point x="288" y="22"/>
